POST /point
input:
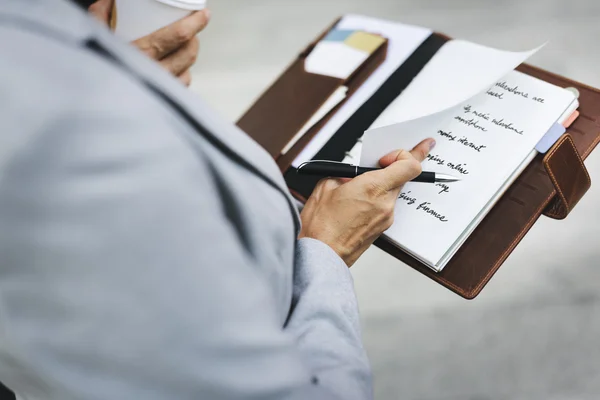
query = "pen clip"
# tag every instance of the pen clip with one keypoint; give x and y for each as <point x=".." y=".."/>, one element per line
<point x="318" y="161"/>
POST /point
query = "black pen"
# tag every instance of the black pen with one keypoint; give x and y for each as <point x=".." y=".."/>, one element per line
<point x="336" y="169"/>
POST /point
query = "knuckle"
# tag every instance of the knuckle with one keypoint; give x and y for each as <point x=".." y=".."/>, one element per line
<point x="183" y="34"/>
<point x="374" y="190"/>
<point x="143" y="44"/>
<point x="321" y="184"/>
<point x="203" y="22"/>
<point x="193" y="55"/>
<point x="154" y="49"/>
<point x="384" y="209"/>
<point x="388" y="215"/>
<point x="388" y="222"/>
<point x="384" y="215"/>
<point x="389" y="211"/>
<point x="324" y="185"/>
<point x="402" y="155"/>
<point x="415" y="167"/>
<point x="332" y="184"/>
<point x="195" y="46"/>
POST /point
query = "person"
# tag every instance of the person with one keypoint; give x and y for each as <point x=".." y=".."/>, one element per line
<point x="149" y="249"/>
<point x="175" y="48"/>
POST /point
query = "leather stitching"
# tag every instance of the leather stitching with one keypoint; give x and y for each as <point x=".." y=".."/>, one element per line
<point x="502" y="258"/>
<point x="522" y="233"/>
<point x="547" y="162"/>
<point x="513" y="244"/>
<point x="556" y="211"/>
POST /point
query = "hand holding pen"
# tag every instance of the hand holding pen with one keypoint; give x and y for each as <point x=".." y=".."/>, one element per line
<point x="349" y="216"/>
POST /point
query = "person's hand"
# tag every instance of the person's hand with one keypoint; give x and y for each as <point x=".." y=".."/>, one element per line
<point x="348" y="215"/>
<point x="175" y="46"/>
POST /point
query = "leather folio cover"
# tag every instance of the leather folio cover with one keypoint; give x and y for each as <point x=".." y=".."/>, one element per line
<point x="551" y="185"/>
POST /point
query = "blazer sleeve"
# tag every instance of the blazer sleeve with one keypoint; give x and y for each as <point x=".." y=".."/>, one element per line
<point x="325" y="320"/>
<point x="122" y="278"/>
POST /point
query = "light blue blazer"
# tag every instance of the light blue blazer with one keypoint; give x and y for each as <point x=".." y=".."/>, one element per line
<point x="148" y="248"/>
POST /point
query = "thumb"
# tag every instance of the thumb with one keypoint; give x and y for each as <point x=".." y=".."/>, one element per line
<point x="102" y="9"/>
<point x="419" y="152"/>
<point x="399" y="167"/>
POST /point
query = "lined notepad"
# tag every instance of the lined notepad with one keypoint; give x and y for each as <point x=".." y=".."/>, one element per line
<point x="486" y="140"/>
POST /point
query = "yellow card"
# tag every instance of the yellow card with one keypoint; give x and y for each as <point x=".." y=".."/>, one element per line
<point x="364" y="41"/>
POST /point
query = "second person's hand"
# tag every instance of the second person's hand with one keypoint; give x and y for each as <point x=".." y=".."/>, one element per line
<point x="175" y="46"/>
<point x="348" y="215"/>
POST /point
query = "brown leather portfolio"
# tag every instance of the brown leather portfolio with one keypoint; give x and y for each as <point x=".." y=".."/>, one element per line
<point x="294" y="98"/>
<point x="551" y="185"/>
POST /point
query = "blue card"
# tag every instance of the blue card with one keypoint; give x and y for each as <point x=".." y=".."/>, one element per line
<point x="548" y="140"/>
<point x="338" y="35"/>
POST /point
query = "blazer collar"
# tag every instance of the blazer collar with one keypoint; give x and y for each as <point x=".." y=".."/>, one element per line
<point x="221" y="132"/>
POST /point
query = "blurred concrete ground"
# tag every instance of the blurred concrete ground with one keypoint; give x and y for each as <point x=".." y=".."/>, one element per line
<point x="533" y="332"/>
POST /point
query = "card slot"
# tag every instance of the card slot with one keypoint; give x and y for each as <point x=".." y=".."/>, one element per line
<point x="577" y="131"/>
<point x="294" y="98"/>
<point x="529" y="186"/>
<point x="353" y="84"/>
<point x="286" y="106"/>
<point x="585" y="133"/>
<point x="541" y="171"/>
<point x="519" y="202"/>
<point x="585" y="124"/>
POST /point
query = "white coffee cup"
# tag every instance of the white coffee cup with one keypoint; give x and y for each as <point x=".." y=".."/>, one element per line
<point x="133" y="19"/>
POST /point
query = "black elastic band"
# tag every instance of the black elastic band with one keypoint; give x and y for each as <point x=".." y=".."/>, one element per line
<point x="345" y="138"/>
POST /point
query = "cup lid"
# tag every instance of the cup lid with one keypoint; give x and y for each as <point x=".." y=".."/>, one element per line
<point x="185" y="4"/>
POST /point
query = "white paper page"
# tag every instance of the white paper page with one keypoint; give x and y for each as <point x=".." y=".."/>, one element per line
<point x="403" y="40"/>
<point x="330" y="104"/>
<point x="483" y="141"/>
<point x="448" y="256"/>
<point x="457" y="72"/>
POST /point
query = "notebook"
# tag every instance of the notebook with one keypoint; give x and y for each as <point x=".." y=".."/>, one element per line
<point x="486" y="134"/>
<point x="390" y="89"/>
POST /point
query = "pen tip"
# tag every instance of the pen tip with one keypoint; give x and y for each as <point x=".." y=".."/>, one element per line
<point x="446" y="178"/>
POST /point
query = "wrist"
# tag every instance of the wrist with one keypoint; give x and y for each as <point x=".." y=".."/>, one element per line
<point x="323" y="247"/>
<point x="341" y="251"/>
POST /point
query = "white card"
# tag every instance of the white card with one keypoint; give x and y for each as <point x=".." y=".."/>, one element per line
<point x="335" y="59"/>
